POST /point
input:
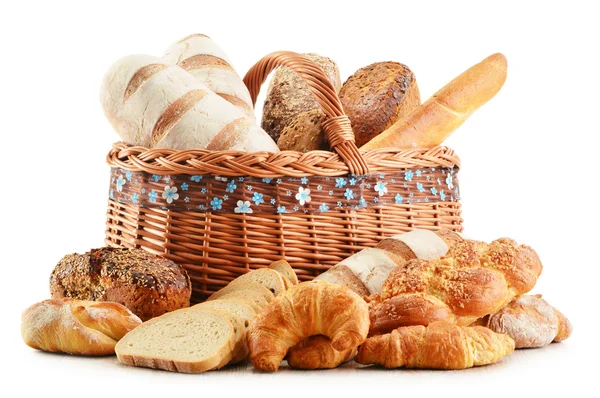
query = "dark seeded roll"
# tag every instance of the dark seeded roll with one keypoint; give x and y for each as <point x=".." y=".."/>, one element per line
<point x="147" y="284"/>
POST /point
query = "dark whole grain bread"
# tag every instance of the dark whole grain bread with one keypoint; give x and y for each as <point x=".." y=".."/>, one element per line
<point x="288" y="97"/>
<point x="147" y="284"/>
<point x="377" y="96"/>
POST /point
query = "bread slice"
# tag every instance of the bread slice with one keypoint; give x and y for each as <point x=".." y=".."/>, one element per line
<point x="189" y="340"/>
<point x="267" y="277"/>
<point x="255" y="286"/>
<point x="251" y="294"/>
<point x="244" y="300"/>
<point x="240" y="314"/>
<point x="285" y="269"/>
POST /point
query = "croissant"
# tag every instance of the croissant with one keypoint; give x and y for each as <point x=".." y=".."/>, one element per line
<point x="304" y="310"/>
<point x="76" y="326"/>
<point x="473" y="280"/>
<point x="531" y="322"/>
<point x="441" y="345"/>
<point x="316" y="352"/>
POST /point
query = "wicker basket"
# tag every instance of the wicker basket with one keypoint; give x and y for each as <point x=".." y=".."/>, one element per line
<point x="221" y="214"/>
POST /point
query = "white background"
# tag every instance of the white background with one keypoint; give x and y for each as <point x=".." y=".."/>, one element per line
<point x="529" y="158"/>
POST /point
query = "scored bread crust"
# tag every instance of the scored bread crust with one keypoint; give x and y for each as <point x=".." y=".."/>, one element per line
<point x="218" y="358"/>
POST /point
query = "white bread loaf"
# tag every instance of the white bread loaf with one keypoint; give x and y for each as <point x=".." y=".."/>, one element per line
<point x="365" y="271"/>
<point x="154" y="104"/>
<point x="208" y="63"/>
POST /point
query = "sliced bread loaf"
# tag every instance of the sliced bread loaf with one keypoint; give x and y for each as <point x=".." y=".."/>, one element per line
<point x="244" y="300"/>
<point x="267" y="277"/>
<point x="250" y="294"/>
<point x="255" y="286"/>
<point x="187" y="340"/>
<point x="285" y="269"/>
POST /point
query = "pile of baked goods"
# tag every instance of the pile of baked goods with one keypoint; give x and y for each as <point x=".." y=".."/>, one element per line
<point x="421" y="299"/>
<point x="192" y="98"/>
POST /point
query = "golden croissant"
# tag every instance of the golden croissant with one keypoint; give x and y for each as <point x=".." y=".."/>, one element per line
<point x="308" y="309"/>
<point x="441" y="345"/>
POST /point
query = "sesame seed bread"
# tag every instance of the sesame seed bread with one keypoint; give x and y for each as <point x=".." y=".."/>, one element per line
<point x="285" y="269"/>
<point x="255" y="286"/>
<point x="267" y="277"/>
<point x="258" y="298"/>
<point x="189" y="340"/>
<point x="147" y="284"/>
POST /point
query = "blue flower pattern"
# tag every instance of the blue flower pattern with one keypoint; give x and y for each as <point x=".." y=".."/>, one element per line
<point x="257" y="198"/>
<point x="231" y="186"/>
<point x="216" y="203"/>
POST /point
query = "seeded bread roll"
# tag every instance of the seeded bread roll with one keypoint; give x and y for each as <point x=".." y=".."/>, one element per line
<point x="147" y="284"/>
<point x="288" y="97"/>
<point x="377" y="96"/>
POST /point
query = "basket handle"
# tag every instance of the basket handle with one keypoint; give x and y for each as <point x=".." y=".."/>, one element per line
<point x="336" y="125"/>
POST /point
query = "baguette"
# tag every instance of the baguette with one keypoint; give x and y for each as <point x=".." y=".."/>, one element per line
<point x="431" y="123"/>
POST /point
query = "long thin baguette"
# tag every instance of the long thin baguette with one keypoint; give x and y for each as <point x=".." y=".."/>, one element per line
<point x="431" y="123"/>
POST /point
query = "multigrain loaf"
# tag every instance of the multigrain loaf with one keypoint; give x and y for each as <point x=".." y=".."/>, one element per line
<point x="208" y="63"/>
<point x="76" y="327"/>
<point x="250" y="285"/>
<point x="288" y="97"/>
<point x="189" y="340"/>
<point x="153" y="103"/>
<point x="147" y="284"/>
<point x="377" y="96"/>
<point x="267" y="277"/>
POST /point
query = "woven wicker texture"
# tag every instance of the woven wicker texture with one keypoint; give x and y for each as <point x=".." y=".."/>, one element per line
<point x="215" y="247"/>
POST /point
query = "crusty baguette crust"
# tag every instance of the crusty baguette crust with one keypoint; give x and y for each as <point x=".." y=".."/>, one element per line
<point x="431" y="123"/>
<point x="378" y="95"/>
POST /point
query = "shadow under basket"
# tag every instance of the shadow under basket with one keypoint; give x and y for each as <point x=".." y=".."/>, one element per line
<point x="222" y="214"/>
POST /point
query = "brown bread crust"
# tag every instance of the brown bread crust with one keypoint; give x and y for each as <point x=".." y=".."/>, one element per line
<point x="288" y="96"/>
<point x="147" y="284"/>
<point x="377" y="96"/>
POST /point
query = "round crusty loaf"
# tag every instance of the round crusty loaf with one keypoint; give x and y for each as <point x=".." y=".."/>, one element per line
<point x="288" y="96"/>
<point x="147" y="284"/>
<point x="377" y="96"/>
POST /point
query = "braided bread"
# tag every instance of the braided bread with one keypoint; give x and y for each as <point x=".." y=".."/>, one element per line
<point x="473" y="280"/>
<point x="441" y="345"/>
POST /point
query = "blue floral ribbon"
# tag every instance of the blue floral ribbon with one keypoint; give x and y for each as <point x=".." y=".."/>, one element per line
<point x="249" y="195"/>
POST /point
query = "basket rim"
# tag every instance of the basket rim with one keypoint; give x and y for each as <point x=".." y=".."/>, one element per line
<point x="163" y="161"/>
